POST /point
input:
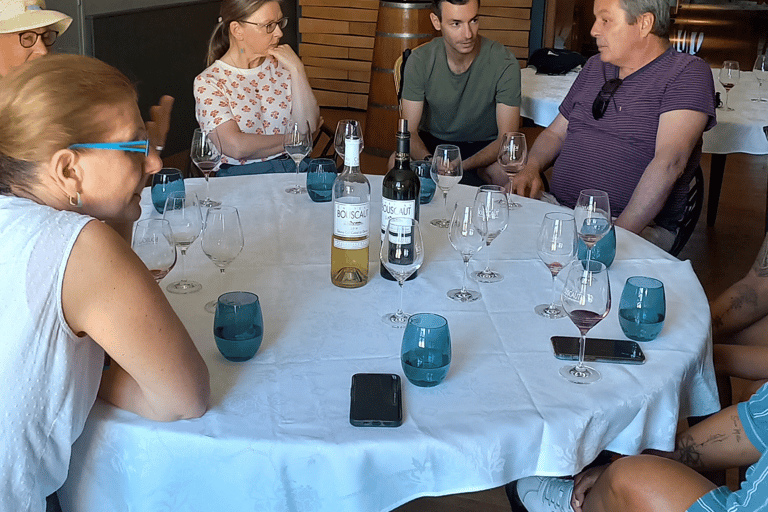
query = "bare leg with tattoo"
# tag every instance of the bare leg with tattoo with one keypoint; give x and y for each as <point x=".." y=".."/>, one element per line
<point x="740" y="329"/>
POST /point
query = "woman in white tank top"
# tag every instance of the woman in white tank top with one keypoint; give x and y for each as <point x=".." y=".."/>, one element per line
<point x="72" y="287"/>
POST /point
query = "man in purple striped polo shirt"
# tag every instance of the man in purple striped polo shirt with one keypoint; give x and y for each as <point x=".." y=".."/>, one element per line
<point x="631" y="124"/>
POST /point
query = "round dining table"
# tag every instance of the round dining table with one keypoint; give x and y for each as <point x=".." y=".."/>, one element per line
<point x="277" y="436"/>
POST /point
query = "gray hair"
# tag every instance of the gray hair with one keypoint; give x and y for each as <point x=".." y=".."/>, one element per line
<point x="659" y="8"/>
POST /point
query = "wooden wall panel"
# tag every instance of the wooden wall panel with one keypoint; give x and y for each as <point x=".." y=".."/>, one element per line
<point x="337" y="40"/>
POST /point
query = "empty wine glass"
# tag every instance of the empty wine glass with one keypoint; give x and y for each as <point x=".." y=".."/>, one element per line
<point x="153" y="243"/>
<point x="729" y="76"/>
<point x="446" y="171"/>
<point x="492" y="215"/>
<point x="513" y="155"/>
<point x="346" y="128"/>
<point x="760" y="69"/>
<point x="222" y="240"/>
<point x="467" y="240"/>
<point x="402" y="253"/>
<point x="182" y="211"/>
<point x="593" y="217"/>
<point x="587" y="300"/>
<point x="298" y="144"/>
<point x="206" y="155"/>
<point x="556" y="245"/>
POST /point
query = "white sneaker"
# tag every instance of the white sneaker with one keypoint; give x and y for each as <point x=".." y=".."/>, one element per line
<point x="545" y="494"/>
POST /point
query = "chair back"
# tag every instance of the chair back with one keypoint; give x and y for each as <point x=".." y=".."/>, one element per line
<point x="692" y="211"/>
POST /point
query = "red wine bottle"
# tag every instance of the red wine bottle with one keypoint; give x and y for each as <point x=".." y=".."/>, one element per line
<point x="400" y="189"/>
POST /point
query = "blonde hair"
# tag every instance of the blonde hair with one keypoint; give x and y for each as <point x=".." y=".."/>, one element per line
<point x="230" y="10"/>
<point x="49" y="104"/>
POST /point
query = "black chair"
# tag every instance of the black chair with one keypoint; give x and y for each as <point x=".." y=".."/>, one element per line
<point x="692" y="212"/>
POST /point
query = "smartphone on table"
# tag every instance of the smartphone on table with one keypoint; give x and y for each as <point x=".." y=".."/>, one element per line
<point x="598" y="350"/>
<point x="376" y="400"/>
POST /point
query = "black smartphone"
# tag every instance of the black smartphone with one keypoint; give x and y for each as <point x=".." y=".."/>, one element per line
<point x="598" y="350"/>
<point x="376" y="400"/>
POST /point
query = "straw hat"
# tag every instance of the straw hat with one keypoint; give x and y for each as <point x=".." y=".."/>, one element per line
<point x="21" y="15"/>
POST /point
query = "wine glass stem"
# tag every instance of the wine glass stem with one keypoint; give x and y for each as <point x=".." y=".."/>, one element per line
<point x="400" y="313"/>
<point x="582" y="343"/>
<point x="589" y="257"/>
<point x="464" y="279"/>
<point x="554" y="296"/>
<point x="221" y="284"/>
<point x="183" y="263"/>
<point x="445" y="203"/>
<point x="298" y="164"/>
<point x="726" y="99"/>
<point x="488" y="260"/>
<point x="207" y="186"/>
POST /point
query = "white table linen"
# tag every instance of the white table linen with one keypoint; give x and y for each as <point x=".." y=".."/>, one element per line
<point x="737" y="131"/>
<point x="278" y="437"/>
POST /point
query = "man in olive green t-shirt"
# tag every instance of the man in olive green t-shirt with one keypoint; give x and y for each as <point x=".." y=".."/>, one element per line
<point x="462" y="89"/>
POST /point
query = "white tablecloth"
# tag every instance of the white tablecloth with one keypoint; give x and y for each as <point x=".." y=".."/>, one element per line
<point x="277" y="436"/>
<point x="737" y="131"/>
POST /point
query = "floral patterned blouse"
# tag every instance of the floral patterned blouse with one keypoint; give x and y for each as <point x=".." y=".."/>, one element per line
<point x="258" y="100"/>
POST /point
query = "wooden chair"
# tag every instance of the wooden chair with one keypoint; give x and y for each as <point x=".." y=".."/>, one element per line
<point x="692" y="212"/>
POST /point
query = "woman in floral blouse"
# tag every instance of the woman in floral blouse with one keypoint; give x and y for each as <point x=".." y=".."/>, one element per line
<point x="253" y="87"/>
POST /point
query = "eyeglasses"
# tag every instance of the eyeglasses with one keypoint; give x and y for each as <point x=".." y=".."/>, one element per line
<point x="29" y="39"/>
<point x="270" y="27"/>
<point x="134" y="146"/>
<point x="604" y="97"/>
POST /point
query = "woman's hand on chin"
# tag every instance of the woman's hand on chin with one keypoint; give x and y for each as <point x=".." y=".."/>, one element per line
<point x="286" y="56"/>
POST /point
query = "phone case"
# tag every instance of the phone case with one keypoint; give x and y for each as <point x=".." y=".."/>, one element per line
<point x="376" y="400"/>
<point x="598" y="350"/>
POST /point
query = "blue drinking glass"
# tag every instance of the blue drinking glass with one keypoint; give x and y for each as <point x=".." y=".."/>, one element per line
<point x="165" y="182"/>
<point x="642" y="308"/>
<point x="238" y="326"/>
<point x="426" y="349"/>
<point x="604" y="250"/>
<point x="320" y="178"/>
<point x="428" y="186"/>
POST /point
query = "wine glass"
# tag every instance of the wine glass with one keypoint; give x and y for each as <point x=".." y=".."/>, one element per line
<point x="556" y="245"/>
<point x="206" y="155"/>
<point x="153" y="243"/>
<point x="222" y="239"/>
<point x="593" y="217"/>
<point x="492" y="215"/>
<point x="446" y="171"/>
<point x="513" y="155"/>
<point x="298" y="144"/>
<point x="729" y="76"/>
<point x="760" y="69"/>
<point x="182" y="211"/>
<point x="586" y="299"/>
<point x="465" y="238"/>
<point x="402" y="253"/>
<point x="346" y="128"/>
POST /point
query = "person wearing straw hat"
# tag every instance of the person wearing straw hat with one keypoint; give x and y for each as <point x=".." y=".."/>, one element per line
<point x="27" y="30"/>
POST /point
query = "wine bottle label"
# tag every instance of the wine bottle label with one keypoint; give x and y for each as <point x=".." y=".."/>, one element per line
<point x="351" y="219"/>
<point x="395" y="208"/>
<point x="350" y="245"/>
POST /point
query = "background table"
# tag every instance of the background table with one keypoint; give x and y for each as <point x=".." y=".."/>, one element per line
<point x="737" y="131"/>
<point x="277" y="436"/>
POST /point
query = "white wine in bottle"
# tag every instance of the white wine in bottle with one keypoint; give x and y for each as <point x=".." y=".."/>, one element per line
<point x="351" y="230"/>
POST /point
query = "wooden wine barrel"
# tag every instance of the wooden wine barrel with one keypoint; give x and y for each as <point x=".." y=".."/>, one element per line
<point x="400" y="25"/>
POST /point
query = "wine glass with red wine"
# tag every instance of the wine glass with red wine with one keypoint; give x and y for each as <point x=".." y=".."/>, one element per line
<point x="586" y="299"/>
<point x="729" y="76"/>
<point x="206" y="155"/>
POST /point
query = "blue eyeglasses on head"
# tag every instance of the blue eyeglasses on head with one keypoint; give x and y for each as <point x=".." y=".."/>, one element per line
<point x="134" y="146"/>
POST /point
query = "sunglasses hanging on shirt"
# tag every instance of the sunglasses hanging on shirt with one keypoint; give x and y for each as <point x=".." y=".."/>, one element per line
<point x="603" y="98"/>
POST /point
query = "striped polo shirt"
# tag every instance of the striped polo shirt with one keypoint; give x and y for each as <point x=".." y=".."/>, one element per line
<point x="612" y="153"/>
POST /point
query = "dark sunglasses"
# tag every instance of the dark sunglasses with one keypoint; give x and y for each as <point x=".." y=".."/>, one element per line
<point x="603" y="98"/>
